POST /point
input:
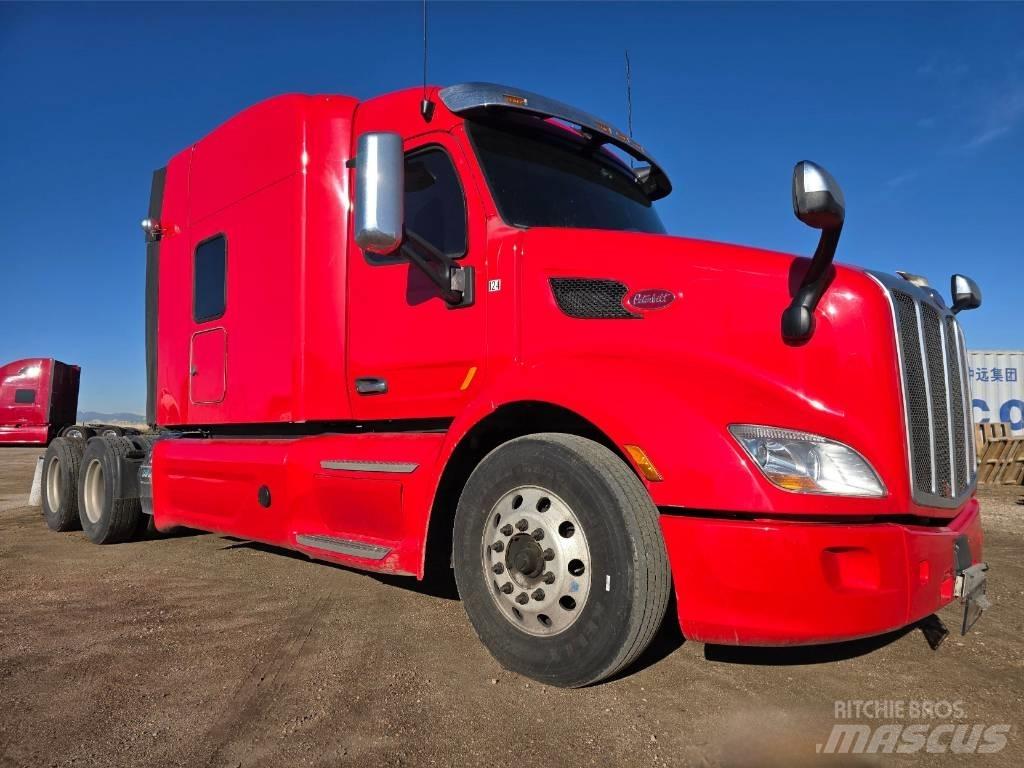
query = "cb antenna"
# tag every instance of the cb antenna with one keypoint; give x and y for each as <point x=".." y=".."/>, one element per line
<point x="426" y="105"/>
<point x="629" y="101"/>
<point x="629" y="95"/>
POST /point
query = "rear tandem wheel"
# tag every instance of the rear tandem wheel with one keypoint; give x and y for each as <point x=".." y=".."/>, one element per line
<point x="105" y="518"/>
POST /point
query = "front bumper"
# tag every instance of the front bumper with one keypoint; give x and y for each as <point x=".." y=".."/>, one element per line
<point x="777" y="582"/>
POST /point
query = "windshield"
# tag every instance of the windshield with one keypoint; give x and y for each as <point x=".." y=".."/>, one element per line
<point x="544" y="176"/>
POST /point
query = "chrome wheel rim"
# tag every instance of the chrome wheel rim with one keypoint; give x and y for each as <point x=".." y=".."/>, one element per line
<point x="54" y="485"/>
<point x="535" y="556"/>
<point x="94" y="491"/>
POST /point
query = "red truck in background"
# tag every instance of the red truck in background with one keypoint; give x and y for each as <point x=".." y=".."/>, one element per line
<point x="446" y="327"/>
<point x="38" y="400"/>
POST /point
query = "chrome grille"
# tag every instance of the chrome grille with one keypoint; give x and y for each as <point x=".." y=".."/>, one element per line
<point x="935" y="357"/>
<point x="959" y="424"/>
<point x="934" y="371"/>
<point x="916" y="396"/>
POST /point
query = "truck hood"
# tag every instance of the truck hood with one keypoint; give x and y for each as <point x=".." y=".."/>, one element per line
<point x="709" y="342"/>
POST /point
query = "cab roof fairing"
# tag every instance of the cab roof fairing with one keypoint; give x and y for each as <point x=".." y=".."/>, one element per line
<point x="468" y="98"/>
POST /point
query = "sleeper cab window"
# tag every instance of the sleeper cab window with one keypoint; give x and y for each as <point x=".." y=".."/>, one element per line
<point x="209" y="295"/>
<point x="435" y="208"/>
<point x="24" y="396"/>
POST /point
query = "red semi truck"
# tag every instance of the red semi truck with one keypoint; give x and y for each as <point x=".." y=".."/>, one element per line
<point x="447" y="327"/>
<point x="38" y="400"/>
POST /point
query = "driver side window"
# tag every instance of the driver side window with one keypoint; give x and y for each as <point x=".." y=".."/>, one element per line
<point x="435" y="207"/>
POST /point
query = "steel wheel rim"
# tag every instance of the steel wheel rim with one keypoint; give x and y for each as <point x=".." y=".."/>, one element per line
<point x="536" y="559"/>
<point x="94" y="490"/>
<point x="54" y="484"/>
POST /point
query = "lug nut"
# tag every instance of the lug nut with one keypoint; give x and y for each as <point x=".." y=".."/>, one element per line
<point x="498" y="546"/>
<point x="538" y="534"/>
<point x="506" y="529"/>
<point x="522" y="525"/>
<point x="549" y="577"/>
<point x="538" y="594"/>
<point x="507" y="588"/>
<point x="549" y="554"/>
<point x="522" y="599"/>
<point x="498" y="568"/>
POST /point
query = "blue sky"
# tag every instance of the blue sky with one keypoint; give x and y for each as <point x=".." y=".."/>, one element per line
<point x="917" y="109"/>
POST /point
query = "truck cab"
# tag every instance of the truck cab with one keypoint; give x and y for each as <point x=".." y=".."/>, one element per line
<point x="38" y="398"/>
<point x="445" y="327"/>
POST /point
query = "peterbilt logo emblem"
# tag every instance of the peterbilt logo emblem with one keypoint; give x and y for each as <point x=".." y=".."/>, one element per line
<point x="650" y="299"/>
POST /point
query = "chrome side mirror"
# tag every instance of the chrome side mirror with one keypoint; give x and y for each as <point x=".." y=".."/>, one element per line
<point x="817" y="198"/>
<point x="379" y="192"/>
<point x="966" y="293"/>
<point x="818" y="202"/>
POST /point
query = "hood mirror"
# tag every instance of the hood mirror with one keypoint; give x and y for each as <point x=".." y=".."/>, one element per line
<point x="817" y="198"/>
<point x="966" y="293"/>
<point x="819" y="203"/>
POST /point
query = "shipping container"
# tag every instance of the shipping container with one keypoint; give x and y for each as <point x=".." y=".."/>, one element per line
<point x="997" y="388"/>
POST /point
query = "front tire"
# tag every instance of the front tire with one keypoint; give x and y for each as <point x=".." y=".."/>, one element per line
<point x="105" y="518"/>
<point x="559" y="559"/>
<point x="60" y="483"/>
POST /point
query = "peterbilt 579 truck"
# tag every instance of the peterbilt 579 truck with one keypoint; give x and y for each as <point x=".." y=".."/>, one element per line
<point x="446" y="328"/>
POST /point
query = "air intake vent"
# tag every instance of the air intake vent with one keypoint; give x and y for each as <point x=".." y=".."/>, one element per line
<point x="588" y="298"/>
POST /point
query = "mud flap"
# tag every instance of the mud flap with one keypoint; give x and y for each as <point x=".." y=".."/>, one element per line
<point x="970" y="588"/>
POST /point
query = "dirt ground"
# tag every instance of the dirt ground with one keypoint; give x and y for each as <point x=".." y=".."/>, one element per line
<point x="198" y="650"/>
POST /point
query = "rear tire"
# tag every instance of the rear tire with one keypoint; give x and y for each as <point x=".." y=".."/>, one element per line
<point x="559" y="559"/>
<point x="79" y="432"/>
<point x="105" y="520"/>
<point x="110" y="431"/>
<point x="59" y="481"/>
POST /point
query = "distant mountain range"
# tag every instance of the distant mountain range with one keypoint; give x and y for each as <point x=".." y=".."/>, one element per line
<point x="107" y="418"/>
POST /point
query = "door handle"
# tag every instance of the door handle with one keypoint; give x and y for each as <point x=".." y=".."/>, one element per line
<point x="370" y="385"/>
<point x="193" y="371"/>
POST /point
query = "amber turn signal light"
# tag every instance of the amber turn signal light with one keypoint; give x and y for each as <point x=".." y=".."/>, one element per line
<point x="643" y="463"/>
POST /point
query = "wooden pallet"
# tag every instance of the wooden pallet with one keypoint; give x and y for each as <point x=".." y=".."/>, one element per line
<point x="1003" y="461"/>
<point x="986" y="433"/>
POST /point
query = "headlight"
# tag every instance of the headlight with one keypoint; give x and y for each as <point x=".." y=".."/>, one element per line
<point x="806" y="463"/>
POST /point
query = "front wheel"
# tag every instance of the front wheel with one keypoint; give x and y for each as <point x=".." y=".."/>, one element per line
<point x="559" y="559"/>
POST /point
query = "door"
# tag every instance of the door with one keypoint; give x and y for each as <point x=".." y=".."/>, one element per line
<point x="410" y="355"/>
